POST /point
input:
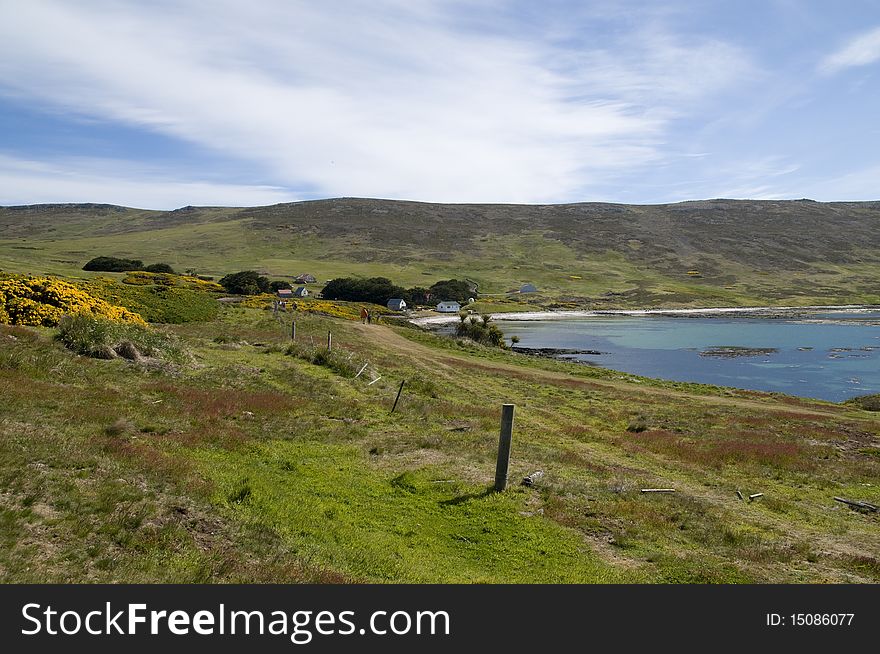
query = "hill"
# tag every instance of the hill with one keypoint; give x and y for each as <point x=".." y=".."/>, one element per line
<point x="712" y="252"/>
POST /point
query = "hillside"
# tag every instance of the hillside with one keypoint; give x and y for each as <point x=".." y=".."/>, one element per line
<point x="713" y="252"/>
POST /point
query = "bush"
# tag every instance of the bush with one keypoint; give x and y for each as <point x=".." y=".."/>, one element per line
<point x="246" y="282"/>
<point x="160" y="268"/>
<point x="105" y="339"/>
<point x="637" y="425"/>
<point x="159" y="303"/>
<point x="42" y="301"/>
<point x="276" y="286"/>
<point x="482" y="330"/>
<point x="114" y="264"/>
<point x="142" y="278"/>
<point x="417" y="295"/>
<point x="452" y="289"/>
<point x="867" y="402"/>
<point x="377" y="290"/>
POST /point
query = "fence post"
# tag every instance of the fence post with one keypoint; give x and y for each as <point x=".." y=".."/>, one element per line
<point x="293" y="331"/>
<point x="399" y="391"/>
<point x="329" y="341"/>
<point x="504" y="447"/>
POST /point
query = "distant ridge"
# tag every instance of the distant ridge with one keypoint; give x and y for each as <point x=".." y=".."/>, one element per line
<point x="714" y="251"/>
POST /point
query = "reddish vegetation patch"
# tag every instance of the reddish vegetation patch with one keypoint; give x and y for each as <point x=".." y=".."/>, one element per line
<point x="151" y="459"/>
<point x="718" y="452"/>
<point x="224" y="402"/>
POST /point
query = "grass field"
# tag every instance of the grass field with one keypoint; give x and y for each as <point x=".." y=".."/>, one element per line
<point x="251" y="460"/>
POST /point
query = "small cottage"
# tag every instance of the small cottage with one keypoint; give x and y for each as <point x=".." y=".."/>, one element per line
<point x="305" y="278"/>
<point x="301" y="291"/>
<point x="285" y="293"/>
<point x="396" y="304"/>
<point x="449" y="306"/>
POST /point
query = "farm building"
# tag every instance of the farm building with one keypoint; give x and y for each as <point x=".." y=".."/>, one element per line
<point x="396" y="304"/>
<point x="449" y="306"/>
<point x="528" y="288"/>
<point x="305" y="278"/>
<point x="301" y="291"/>
<point x="285" y="293"/>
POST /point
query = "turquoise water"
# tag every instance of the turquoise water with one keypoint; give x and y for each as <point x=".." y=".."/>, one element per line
<point x="830" y="355"/>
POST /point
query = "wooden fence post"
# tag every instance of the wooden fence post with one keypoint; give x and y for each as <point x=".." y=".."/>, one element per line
<point x="329" y="341"/>
<point x="503" y="461"/>
<point x="293" y="331"/>
<point x="399" y="391"/>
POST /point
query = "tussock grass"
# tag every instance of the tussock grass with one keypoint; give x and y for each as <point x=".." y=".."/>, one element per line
<point x="105" y="339"/>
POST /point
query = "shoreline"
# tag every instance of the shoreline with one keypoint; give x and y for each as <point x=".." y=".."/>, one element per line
<point x="426" y="321"/>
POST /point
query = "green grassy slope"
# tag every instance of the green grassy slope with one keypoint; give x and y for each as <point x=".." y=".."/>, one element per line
<point x="601" y="255"/>
<point x="250" y="464"/>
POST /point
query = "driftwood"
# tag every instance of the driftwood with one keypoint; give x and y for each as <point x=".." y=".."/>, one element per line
<point x="858" y="505"/>
<point x="533" y="478"/>
<point x="755" y="496"/>
<point x="657" y="490"/>
<point x="739" y="495"/>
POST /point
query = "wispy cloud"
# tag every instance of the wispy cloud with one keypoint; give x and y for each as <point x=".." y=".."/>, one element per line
<point x="391" y="98"/>
<point x="123" y="183"/>
<point x="860" y="51"/>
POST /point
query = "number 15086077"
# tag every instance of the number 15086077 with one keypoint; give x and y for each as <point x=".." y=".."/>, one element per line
<point x="810" y="620"/>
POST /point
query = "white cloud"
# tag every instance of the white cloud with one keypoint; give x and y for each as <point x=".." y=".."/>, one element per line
<point x="119" y="182"/>
<point x="860" y="51"/>
<point x="389" y="99"/>
<point x="855" y="185"/>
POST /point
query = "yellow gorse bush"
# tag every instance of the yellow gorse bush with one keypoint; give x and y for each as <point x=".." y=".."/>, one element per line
<point x="42" y="301"/>
<point x="335" y="308"/>
<point x="144" y="278"/>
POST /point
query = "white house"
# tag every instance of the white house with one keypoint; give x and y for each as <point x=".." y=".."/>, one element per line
<point x="301" y="291"/>
<point x="449" y="306"/>
<point x="396" y="304"/>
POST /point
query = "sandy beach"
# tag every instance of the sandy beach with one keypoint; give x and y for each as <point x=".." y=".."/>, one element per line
<point x="571" y="315"/>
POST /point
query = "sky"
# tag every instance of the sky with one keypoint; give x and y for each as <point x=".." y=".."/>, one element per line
<point x="169" y="103"/>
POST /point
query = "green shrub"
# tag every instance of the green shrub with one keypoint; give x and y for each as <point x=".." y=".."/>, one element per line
<point x="452" y="289"/>
<point x="246" y="282"/>
<point x="160" y="268"/>
<point x="377" y="290"/>
<point x="637" y="425"/>
<point x="867" y="402"/>
<point x="481" y="330"/>
<point x="113" y="264"/>
<point x="159" y="303"/>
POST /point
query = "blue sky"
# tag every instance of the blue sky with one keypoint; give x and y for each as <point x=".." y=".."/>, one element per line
<point x="162" y="104"/>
